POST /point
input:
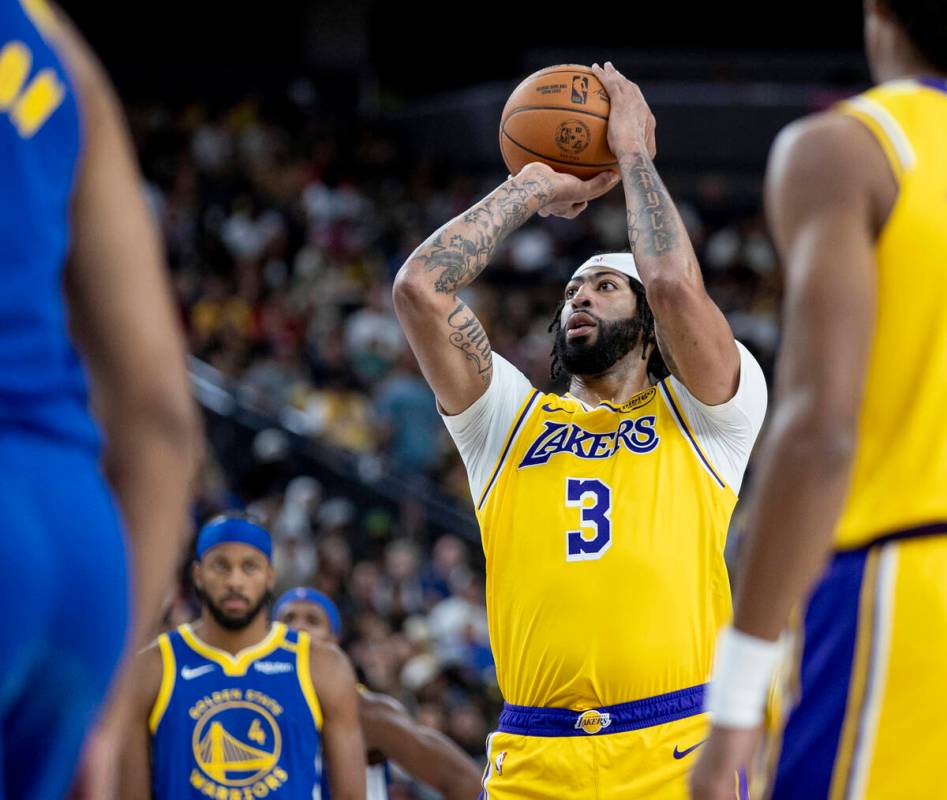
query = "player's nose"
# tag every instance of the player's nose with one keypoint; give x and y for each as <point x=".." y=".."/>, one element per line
<point x="583" y="297"/>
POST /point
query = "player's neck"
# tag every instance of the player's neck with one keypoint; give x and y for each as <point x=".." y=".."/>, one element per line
<point x="624" y="380"/>
<point x="213" y="633"/>
<point x="905" y="66"/>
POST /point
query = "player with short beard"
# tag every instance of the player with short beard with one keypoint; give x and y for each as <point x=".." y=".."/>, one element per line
<point x="236" y="706"/>
<point x="603" y="512"/>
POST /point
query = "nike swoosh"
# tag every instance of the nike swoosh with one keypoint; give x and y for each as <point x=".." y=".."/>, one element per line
<point x="688" y="751"/>
<point x="193" y="672"/>
<point x="552" y="410"/>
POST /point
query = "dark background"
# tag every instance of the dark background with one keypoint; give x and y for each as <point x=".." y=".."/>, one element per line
<point x="183" y="50"/>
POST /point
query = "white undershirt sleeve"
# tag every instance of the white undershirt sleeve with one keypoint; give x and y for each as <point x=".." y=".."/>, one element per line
<point x="726" y="432"/>
<point x="481" y="430"/>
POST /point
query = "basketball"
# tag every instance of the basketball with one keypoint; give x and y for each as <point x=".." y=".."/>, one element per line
<point x="558" y="116"/>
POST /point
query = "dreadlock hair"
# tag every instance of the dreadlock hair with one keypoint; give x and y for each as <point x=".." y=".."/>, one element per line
<point x="643" y="323"/>
<point x="925" y="23"/>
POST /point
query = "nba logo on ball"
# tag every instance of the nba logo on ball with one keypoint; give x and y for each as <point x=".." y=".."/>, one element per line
<point x="580" y="89"/>
<point x="592" y="721"/>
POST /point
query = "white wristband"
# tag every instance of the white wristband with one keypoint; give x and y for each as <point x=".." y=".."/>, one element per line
<point x="744" y="668"/>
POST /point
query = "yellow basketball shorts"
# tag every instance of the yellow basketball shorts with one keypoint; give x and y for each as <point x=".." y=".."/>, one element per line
<point x="863" y="703"/>
<point x="641" y="749"/>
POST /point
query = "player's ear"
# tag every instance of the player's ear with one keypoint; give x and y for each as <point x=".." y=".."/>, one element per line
<point x="197" y="574"/>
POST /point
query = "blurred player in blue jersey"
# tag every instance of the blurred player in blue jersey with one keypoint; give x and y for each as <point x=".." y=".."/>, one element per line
<point x="80" y="264"/>
<point x="236" y="707"/>
<point x="390" y="732"/>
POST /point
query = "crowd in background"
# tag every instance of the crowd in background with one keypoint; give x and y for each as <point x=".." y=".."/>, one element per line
<point x="284" y="234"/>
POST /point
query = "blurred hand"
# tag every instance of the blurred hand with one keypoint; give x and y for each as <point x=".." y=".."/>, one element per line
<point x="97" y="776"/>
<point x="725" y="752"/>
<point x="566" y="195"/>
<point x="630" y="121"/>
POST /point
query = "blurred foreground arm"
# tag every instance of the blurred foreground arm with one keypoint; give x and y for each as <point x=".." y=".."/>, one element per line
<point x="825" y="190"/>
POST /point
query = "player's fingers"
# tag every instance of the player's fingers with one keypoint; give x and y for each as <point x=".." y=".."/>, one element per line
<point x="650" y="138"/>
<point x="601" y="184"/>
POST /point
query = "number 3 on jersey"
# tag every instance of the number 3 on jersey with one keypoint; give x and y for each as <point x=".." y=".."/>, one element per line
<point x="595" y="516"/>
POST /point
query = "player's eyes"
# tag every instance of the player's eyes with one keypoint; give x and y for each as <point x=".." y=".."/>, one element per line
<point x="603" y="284"/>
<point x="570" y="292"/>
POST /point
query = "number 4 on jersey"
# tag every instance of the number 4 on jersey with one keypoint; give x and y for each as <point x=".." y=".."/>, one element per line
<point x="596" y="516"/>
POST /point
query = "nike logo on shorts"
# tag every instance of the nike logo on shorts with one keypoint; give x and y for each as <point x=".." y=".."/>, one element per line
<point x="188" y="673"/>
<point x="688" y="751"/>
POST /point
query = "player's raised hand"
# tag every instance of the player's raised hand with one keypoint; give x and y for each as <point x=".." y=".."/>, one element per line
<point x="567" y="196"/>
<point x="630" y="121"/>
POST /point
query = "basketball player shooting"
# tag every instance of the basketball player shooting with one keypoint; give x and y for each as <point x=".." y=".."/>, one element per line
<point x="603" y="512"/>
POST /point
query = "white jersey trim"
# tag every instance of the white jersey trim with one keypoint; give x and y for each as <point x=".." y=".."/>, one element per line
<point x="725" y="433"/>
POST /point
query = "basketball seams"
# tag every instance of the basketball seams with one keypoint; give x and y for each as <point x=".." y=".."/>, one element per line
<point x="544" y="157"/>
<point x="518" y="109"/>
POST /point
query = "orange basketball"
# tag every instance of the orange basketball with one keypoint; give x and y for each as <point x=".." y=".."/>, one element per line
<point x="559" y="116"/>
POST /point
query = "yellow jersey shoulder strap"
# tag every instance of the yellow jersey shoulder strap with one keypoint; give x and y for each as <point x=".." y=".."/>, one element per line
<point x="168" y="674"/>
<point x="883" y="111"/>
<point x="304" y="673"/>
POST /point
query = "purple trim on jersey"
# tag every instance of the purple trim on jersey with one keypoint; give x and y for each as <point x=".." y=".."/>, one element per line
<point x="506" y="450"/>
<point x="814" y="728"/>
<point x="940" y="84"/>
<point x="687" y="433"/>
<point x="644" y="713"/>
<point x="933" y="529"/>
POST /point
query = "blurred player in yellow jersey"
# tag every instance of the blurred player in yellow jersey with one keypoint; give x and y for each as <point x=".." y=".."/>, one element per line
<point x="851" y="510"/>
<point x="603" y="512"/>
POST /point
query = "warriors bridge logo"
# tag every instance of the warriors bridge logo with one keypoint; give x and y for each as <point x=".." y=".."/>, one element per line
<point x="237" y="745"/>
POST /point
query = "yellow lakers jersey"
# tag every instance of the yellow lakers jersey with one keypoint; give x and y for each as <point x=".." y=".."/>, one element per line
<point x="899" y="481"/>
<point x="604" y="532"/>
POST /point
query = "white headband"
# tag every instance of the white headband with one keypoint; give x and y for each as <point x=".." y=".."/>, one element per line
<point x="620" y="262"/>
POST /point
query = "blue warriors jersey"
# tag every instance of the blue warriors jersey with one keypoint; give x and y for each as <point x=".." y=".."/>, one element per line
<point x="236" y="727"/>
<point x="42" y="386"/>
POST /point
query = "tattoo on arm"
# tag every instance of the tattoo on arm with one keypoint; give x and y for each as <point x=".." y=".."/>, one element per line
<point x="652" y="228"/>
<point x="468" y="336"/>
<point x="461" y="249"/>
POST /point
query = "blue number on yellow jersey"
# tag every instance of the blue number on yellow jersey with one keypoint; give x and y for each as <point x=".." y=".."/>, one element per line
<point x="236" y="727"/>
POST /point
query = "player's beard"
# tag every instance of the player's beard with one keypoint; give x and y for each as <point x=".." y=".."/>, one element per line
<point x="230" y="622"/>
<point x="614" y="340"/>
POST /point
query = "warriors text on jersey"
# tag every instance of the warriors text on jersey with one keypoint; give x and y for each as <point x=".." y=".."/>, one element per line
<point x="236" y="727"/>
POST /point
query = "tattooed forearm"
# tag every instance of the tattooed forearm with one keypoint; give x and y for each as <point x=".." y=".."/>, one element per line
<point x="459" y="251"/>
<point x="468" y="336"/>
<point x="653" y="225"/>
